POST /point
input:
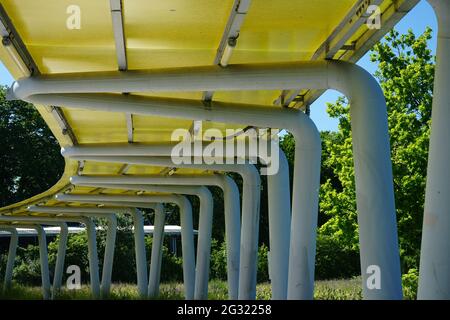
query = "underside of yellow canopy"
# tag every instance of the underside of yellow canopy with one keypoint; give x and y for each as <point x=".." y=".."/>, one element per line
<point x="176" y="33"/>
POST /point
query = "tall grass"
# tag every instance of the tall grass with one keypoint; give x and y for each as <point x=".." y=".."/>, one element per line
<point x="325" y="290"/>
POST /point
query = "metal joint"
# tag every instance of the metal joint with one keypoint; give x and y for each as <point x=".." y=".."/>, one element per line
<point x="6" y="41"/>
<point x="207" y="104"/>
<point x="232" y="41"/>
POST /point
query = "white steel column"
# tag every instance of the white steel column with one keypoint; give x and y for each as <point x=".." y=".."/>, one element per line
<point x="93" y="257"/>
<point x="139" y="246"/>
<point x="375" y="205"/>
<point x="187" y="245"/>
<point x="279" y="203"/>
<point x="434" y="279"/>
<point x="203" y="243"/>
<point x="60" y="257"/>
<point x="43" y="256"/>
<point x="232" y="208"/>
<point x="157" y="250"/>
<point x="14" y="239"/>
<point x="108" y="259"/>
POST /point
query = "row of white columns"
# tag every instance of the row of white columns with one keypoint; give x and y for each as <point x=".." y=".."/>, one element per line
<point x="43" y="257"/>
<point x="102" y="289"/>
<point x="373" y="171"/>
<point x="98" y="289"/>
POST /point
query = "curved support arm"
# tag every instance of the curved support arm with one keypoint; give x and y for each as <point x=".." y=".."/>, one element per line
<point x="292" y="75"/>
<point x="251" y="193"/>
<point x="373" y="177"/>
<point x="442" y="10"/>
<point x="434" y="280"/>
<point x="232" y="209"/>
<point x="305" y="203"/>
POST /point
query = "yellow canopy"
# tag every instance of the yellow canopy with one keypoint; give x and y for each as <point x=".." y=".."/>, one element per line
<point x="177" y="33"/>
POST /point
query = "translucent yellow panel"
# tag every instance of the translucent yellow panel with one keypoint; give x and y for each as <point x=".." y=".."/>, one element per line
<point x="141" y="170"/>
<point x="51" y="59"/>
<point x="191" y="172"/>
<point x="9" y="63"/>
<point x="388" y="8"/>
<point x="245" y="97"/>
<point x="113" y="192"/>
<point x="154" y="193"/>
<point x="287" y="30"/>
<point x="97" y="126"/>
<point x="248" y="97"/>
<point x="42" y="25"/>
<point x="99" y="168"/>
<point x="174" y="33"/>
<point x="222" y="127"/>
<point x="82" y="190"/>
<point x="156" y="129"/>
<point x="177" y="95"/>
<point x="52" y="202"/>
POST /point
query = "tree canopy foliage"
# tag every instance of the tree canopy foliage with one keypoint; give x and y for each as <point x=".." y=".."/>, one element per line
<point x="29" y="153"/>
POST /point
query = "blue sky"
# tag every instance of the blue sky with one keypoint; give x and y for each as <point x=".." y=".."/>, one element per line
<point x="418" y="19"/>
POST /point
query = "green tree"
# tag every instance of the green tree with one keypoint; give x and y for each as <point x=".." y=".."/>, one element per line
<point x="406" y="74"/>
<point x="29" y="153"/>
